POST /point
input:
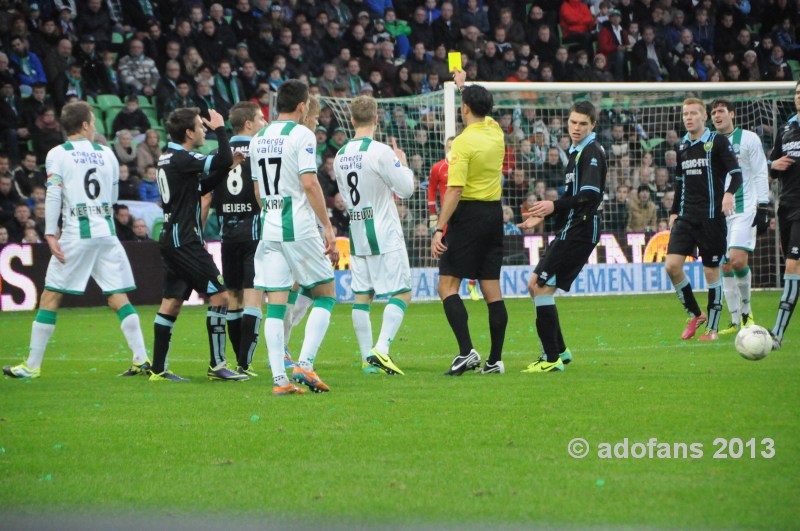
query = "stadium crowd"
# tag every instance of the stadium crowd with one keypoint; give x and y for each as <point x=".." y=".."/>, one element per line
<point x="157" y="56"/>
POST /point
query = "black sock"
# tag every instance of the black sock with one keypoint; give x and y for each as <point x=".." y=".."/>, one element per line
<point x="714" y="305"/>
<point x="686" y="296"/>
<point x="561" y="345"/>
<point x="215" y="324"/>
<point x="234" y="319"/>
<point x="162" y="334"/>
<point x="251" y="324"/>
<point x="498" y="320"/>
<point x="458" y="318"/>
<point x="548" y="327"/>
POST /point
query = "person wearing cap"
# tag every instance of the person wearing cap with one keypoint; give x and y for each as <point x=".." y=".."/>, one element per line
<point x="65" y="16"/>
<point x="337" y="140"/>
<point x="612" y="41"/>
<point x="321" y="135"/>
<point x="94" y="71"/>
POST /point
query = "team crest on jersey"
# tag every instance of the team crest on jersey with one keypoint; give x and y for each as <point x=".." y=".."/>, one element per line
<point x="220" y="279"/>
<point x="593" y="162"/>
<point x="309" y="150"/>
<point x="396" y="163"/>
<point x="707" y="146"/>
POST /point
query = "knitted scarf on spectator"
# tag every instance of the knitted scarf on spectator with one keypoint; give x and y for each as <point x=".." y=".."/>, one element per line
<point x="227" y="89"/>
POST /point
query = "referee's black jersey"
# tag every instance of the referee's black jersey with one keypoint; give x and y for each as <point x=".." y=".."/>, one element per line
<point x="576" y="216"/>
<point x="182" y="179"/>
<point x="788" y="144"/>
<point x="703" y="167"/>
<point x="235" y="199"/>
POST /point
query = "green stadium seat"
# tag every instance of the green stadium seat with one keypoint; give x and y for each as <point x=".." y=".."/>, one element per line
<point x="794" y="66"/>
<point x="151" y="114"/>
<point x="157" y="224"/>
<point x="145" y="103"/>
<point x="98" y="124"/>
<point x="110" y="115"/>
<point x="109" y="101"/>
<point x="117" y="38"/>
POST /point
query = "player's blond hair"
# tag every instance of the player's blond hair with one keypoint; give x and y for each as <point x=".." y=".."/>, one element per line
<point x="313" y="112"/>
<point x="363" y="109"/>
<point x="695" y="101"/>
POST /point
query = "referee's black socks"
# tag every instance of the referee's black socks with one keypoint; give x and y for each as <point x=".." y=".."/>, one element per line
<point x="498" y="319"/>
<point x="162" y="335"/>
<point x="458" y="318"/>
<point x="547" y="326"/>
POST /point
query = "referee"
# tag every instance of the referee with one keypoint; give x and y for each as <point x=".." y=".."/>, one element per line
<point x="472" y="212"/>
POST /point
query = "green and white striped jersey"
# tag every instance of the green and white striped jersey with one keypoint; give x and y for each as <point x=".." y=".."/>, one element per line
<point x="279" y="154"/>
<point x="368" y="174"/>
<point x="755" y="186"/>
<point x="88" y="175"/>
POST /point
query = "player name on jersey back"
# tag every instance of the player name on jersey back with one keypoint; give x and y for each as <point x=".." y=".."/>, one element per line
<point x="235" y="199"/>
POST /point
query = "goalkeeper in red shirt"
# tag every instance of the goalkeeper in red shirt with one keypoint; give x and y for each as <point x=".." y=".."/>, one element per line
<point x="437" y="185"/>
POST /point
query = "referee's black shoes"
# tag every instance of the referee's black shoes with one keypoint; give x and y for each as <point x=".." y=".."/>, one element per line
<point x="461" y="364"/>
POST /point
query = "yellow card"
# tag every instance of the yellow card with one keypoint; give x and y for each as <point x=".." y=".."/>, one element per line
<point x="454" y="61"/>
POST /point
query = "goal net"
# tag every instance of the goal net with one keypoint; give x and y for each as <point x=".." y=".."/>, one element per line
<point x="639" y="126"/>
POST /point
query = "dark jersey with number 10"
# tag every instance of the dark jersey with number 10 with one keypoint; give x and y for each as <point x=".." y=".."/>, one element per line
<point x="235" y="199"/>
<point x="183" y="176"/>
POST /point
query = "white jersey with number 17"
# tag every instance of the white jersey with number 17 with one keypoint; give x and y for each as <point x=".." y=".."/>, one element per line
<point x="279" y="154"/>
<point x="368" y="173"/>
<point x="88" y="174"/>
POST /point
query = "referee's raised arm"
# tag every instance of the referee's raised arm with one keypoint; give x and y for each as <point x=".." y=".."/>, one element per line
<point x="468" y="236"/>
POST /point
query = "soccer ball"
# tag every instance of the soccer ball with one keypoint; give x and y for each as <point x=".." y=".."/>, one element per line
<point x="753" y="342"/>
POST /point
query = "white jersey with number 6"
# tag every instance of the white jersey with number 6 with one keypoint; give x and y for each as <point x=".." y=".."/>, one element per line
<point x="88" y="174"/>
<point x="368" y="173"/>
<point x="279" y="154"/>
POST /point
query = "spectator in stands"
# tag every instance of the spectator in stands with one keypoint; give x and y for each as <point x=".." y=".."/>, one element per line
<point x="545" y="45"/>
<point x="22" y="219"/>
<point x="148" y="188"/>
<point x="138" y="72"/>
<point x="26" y="176"/>
<point x="403" y="85"/>
<point x="473" y="14"/>
<point x="148" y="152"/>
<point x="3" y="235"/>
<point x="703" y="30"/>
<point x="785" y="38"/>
<point x="751" y="66"/>
<point x="649" y="60"/>
<point x="515" y="188"/>
<point x="577" y="24"/>
<point x="227" y="88"/>
<point x="167" y="87"/>
<point x="245" y="24"/>
<point x="340" y="218"/>
<point x="69" y="83"/>
<point x="665" y="205"/>
<point x="684" y="70"/>
<point x="95" y="21"/>
<point x="124" y="149"/>
<point x="12" y="127"/>
<point x="250" y="79"/>
<point x="725" y="33"/>
<point x="31" y="235"/>
<point x="600" y="73"/>
<point x="58" y="59"/>
<point x="93" y="71"/>
<point x="46" y="133"/>
<point x="140" y="231"/>
<point x="210" y="44"/>
<point x="123" y="223"/>
<point x="777" y="69"/>
<point x="192" y="62"/>
<point x="34" y="106"/>
<point x="642" y="211"/>
<point x="65" y="16"/>
<point x="509" y="223"/>
<point x="327" y="179"/>
<point x="616" y="210"/>
<point x="675" y="28"/>
<point x="181" y="98"/>
<point x="671" y="161"/>
<point x="131" y="117"/>
<point x="9" y="197"/>
<point x="612" y="41"/>
<point x="420" y="29"/>
<point x="128" y="185"/>
<point x="28" y="67"/>
<point x="563" y="71"/>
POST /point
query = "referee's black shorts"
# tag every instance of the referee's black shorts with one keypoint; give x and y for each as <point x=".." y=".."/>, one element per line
<point x="709" y="236"/>
<point x="238" y="264"/>
<point x="789" y="225"/>
<point x="474" y="241"/>
<point x="189" y="267"/>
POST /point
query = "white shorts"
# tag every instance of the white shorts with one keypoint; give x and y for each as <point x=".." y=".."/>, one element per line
<point x="280" y="264"/>
<point x="103" y="259"/>
<point x="741" y="232"/>
<point x="385" y="274"/>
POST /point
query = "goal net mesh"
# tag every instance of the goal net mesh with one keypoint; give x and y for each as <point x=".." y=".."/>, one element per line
<point x="640" y="132"/>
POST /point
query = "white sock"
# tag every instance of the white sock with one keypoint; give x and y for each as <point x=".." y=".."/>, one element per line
<point x="288" y="326"/>
<point x="317" y="325"/>
<point x="732" y="297"/>
<point x="363" y="328"/>
<point x="273" y="333"/>
<point x="392" y="319"/>
<point x="744" y="290"/>
<point x="132" y="330"/>
<point x="40" y="335"/>
<point x="301" y="306"/>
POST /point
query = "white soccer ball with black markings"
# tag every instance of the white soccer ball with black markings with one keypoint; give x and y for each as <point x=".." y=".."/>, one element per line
<point x="753" y="342"/>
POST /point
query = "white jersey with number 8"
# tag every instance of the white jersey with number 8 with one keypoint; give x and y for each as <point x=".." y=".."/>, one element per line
<point x="88" y="174"/>
<point x="279" y="154"/>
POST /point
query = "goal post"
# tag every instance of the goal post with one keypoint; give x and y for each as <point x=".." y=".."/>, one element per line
<point x="640" y="126"/>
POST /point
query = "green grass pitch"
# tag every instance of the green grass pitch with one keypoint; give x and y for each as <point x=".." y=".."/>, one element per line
<point x="415" y="450"/>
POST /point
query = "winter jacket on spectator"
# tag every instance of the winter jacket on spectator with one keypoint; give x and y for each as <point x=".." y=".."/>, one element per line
<point x="146" y="156"/>
<point x="607" y="41"/>
<point x="138" y="72"/>
<point x="477" y="18"/>
<point x="96" y="23"/>
<point x="245" y="25"/>
<point x="136" y="120"/>
<point x="46" y="134"/>
<point x="29" y="68"/>
<point x="575" y="17"/>
<point x="93" y="72"/>
<point x="148" y="191"/>
<point x="67" y="83"/>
